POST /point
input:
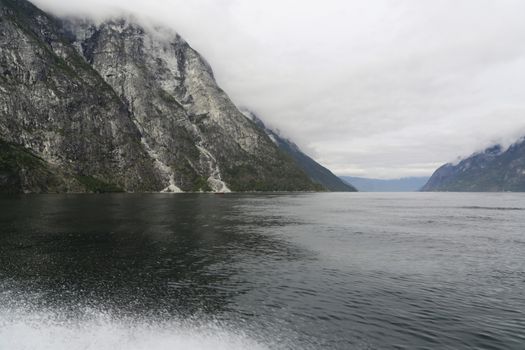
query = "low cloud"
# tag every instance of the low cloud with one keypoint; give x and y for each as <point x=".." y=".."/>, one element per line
<point x="379" y="88"/>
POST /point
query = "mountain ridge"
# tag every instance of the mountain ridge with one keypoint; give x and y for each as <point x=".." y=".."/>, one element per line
<point x="317" y="173"/>
<point x="113" y="104"/>
<point x="496" y="169"/>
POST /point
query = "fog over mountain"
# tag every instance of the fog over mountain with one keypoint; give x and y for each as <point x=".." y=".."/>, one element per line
<point x="381" y="88"/>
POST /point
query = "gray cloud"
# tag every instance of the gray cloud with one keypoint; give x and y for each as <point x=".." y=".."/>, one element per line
<point x="380" y="88"/>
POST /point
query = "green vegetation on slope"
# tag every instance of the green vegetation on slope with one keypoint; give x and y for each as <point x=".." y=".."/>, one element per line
<point x="21" y="171"/>
<point x="92" y="184"/>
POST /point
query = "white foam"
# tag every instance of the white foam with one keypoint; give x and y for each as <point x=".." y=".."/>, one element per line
<point x="42" y="331"/>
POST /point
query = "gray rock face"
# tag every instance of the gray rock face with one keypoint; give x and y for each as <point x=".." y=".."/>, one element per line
<point x="493" y="170"/>
<point x="55" y="105"/>
<point x="117" y="105"/>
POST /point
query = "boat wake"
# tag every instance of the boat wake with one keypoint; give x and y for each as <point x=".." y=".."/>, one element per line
<point x="50" y="330"/>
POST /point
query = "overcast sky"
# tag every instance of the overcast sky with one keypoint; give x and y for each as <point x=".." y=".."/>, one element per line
<point x="377" y="88"/>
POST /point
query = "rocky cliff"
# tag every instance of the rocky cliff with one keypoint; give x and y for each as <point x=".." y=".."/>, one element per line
<point x="317" y="173"/>
<point x="493" y="170"/>
<point x="122" y="106"/>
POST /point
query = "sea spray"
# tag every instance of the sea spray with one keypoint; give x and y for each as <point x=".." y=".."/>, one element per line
<point x="42" y="330"/>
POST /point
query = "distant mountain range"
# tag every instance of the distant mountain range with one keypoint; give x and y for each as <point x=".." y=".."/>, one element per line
<point x="317" y="173"/>
<point x="494" y="170"/>
<point x="409" y="184"/>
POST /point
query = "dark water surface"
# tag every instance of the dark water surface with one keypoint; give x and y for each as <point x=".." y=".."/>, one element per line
<point x="305" y="271"/>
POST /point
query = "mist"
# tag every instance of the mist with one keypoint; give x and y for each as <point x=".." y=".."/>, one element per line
<point x="381" y="88"/>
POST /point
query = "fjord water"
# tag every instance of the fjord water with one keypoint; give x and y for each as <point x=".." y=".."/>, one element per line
<point x="289" y="271"/>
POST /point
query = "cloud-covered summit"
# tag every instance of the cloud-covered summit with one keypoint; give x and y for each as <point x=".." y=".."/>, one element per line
<point x="378" y="88"/>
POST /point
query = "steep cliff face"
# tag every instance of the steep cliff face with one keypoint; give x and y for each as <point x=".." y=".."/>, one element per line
<point x="122" y="106"/>
<point x="493" y="170"/>
<point x="54" y="105"/>
<point x="197" y="136"/>
<point x="317" y="173"/>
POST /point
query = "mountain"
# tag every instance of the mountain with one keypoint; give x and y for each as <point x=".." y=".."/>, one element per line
<point x="408" y="184"/>
<point x="317" y="173"/>
<point x="120" y="106"/>
<point x="494" y="170"/>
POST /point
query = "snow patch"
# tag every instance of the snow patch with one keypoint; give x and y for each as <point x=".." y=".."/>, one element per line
<point x="249" y="115"/>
